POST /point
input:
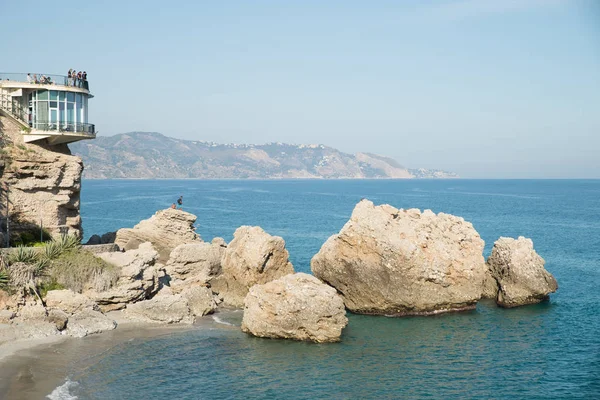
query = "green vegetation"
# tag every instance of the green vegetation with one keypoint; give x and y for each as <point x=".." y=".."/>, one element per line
<point x="58" y="264"/>
<point x="31" y="238"/>
<point x="4" y="279"/>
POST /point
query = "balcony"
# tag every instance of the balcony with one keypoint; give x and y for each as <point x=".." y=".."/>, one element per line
<point x="45" y="81"/>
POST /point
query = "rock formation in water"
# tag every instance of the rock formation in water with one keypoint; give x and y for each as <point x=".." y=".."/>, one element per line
<point x="253" y="257"/>
<point x="519" y="272"/>
<point x="296" y="306"/>
<point x="195" y="264"/>
<point x="43" y="183"/>
<point x="403" y="262"/>
<point x="166" y="230"/>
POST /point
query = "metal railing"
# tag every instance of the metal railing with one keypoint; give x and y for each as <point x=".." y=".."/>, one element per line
<point x="43" y="79"/>
<point x="69" y="127"/>
<point x="14" y="108"/>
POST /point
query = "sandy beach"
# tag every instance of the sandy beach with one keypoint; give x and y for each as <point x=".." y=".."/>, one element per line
<point x="37" y="368"/>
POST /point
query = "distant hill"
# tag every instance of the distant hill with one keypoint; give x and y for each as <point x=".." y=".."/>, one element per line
<point x="153" y="155"/>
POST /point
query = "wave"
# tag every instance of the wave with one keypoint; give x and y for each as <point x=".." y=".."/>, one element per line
<point x="63" y="392"/>
<point x="220" y="321"/>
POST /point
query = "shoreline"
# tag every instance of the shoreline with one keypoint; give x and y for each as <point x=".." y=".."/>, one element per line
<point x="34" y="368"/>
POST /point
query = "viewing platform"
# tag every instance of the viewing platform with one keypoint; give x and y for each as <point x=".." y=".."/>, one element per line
<point x="49" y="107"/>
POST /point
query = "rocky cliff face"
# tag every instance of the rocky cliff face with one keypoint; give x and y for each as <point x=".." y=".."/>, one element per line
<point x="43" y="184"/>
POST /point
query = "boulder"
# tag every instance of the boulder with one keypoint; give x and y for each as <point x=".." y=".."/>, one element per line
<point x="34" y="329"/>
<point x="252" y="258"/>
<point x="194" y="264"/>
<point x="519" y="272"/>
<point x="94" y="240"/>
<point x="87" y="322"/>
<point x="166" y="230"/>
<point x="59" y="318"/>
<point x="399" y="262"/>
<point x="69" y="301"/>
<point x="138" y="278"/>
<point x="108" y="237"/>
<point x="32" y="311"/>
<point x="200" y="300"/>
<point x="163" y="308"/>
<point x="296" y="306"/>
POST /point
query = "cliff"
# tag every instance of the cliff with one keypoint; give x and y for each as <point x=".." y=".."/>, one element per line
<point x="43" y="184"/>
<point x="152" y="155"/>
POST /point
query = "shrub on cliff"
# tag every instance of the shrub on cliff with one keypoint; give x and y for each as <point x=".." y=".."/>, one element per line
<point x="80" y="269"/>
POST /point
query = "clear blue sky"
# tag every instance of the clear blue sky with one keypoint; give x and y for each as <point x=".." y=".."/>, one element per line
<point x="486" y="88"/>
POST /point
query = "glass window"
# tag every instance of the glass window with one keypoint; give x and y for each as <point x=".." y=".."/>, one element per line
<point x="42" y="95"/>
<point x="78" y="98"/>
<point x="53" y="95"/>
<point x="53" y="116"/>
<point x="70" y="113"/>
<point x="53" y="104"/>
<point x="70" y="97"/>
<point x="42" y="111"/>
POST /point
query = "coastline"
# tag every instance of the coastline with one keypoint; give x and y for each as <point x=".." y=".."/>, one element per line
<point x="37" y="368"/>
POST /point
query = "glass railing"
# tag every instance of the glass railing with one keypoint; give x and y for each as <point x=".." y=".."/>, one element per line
<point x="43" y="79"/>
<point x="68" y="127"/>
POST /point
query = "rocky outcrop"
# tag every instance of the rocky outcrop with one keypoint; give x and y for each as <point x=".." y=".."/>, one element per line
<point x="200" y="300"/>
<point x="44" y="182"/>
<point x="403" y="262"/>
<point x="69" y="301"/>
<point x="519" y="272"/>
<point x="138" y="278"/>
<point x="296" y="306"/>
<point x="163" y="308"/>
<point x="107" y="238"/>
<point x="166" y="230"/>
<point x="252" y="258"/>
<point x="194" y="264"/>
<point x="87" y="322"/>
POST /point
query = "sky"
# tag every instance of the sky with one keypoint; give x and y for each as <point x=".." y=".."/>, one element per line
<point x="484" y="88"/>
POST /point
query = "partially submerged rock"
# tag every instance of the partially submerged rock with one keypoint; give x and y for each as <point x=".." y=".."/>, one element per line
<point x="166" y="230"/>
<point x="403" y="262"/>
<point x="519" y="272"/>
<point x="194" y="264"/>
<point x="138" y="278"/>
<point x="87" y="322"/>
<point x="296" y="306"/>
<point x="164" y="309"/>
<point x="253" y="257"/>
<point x="200" y="300"/>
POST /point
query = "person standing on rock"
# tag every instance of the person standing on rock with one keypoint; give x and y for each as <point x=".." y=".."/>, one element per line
<point x="179" y="201"/>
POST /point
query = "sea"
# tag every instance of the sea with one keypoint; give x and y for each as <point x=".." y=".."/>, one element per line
<point x="545" y="351"/>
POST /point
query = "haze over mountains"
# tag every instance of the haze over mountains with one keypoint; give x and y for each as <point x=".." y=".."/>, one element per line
<point x="153" y="155"/>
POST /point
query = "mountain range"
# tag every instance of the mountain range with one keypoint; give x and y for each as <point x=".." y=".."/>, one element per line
<point x="153" y="155"/>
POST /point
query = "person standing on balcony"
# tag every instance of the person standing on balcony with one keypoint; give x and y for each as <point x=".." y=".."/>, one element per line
<point x="29" y="79"/>
<point x="35" y="79"/>
<point x="74" y="76"/>
<point x="85" y="82"/>
<point x="79" y="79"/>
<point x="69" y="77"/>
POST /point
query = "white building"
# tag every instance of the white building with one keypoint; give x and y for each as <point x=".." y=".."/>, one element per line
<point x="49" y="107"/>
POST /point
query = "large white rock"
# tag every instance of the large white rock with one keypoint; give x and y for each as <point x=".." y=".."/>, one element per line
<point x="69" y="301"/>
<point x="253" y="257"/>
<point x="166" y="230"/>
<point x="403" y="262"/>
<point x="519" y="272"/>
<point x="297" y="306"/>
<point x="87" y="322"/>
<point x="200" y="300"/>
<point x="194" y="264"/>
<point x="138" y="278"/>
<point x="164" y="309"/>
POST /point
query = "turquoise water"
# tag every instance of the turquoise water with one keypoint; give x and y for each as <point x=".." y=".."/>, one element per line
<point x="550" y="350"/>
